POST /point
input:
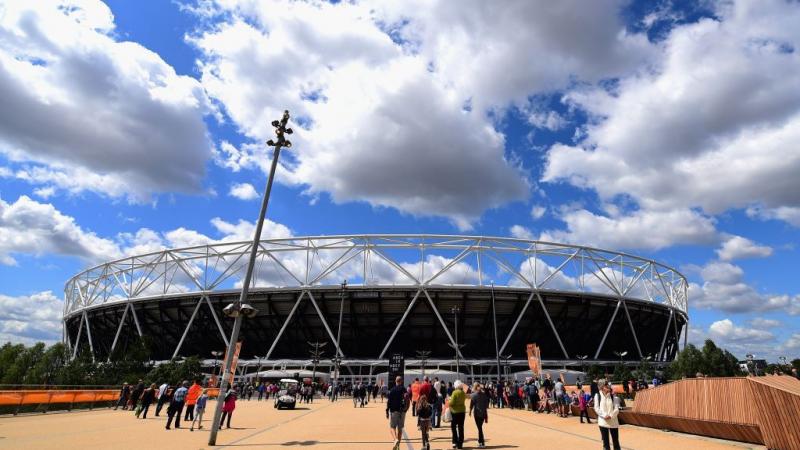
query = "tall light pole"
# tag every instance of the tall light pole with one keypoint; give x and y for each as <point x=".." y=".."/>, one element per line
<point x="422" y="356"/>
<point x="583" y="362"/>
<point x="494" y="323"/>
<point x="336" y="359"/>
<point x="316" y="353"/>
<point x="505" y="363"/>
<point x="457" y="347"/>
<point x="216" y="354"/>
<point x="240" y="308"/>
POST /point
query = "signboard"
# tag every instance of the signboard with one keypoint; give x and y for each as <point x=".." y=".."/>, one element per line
<point x="396" y="368"/>
<point x="534" y="359"/>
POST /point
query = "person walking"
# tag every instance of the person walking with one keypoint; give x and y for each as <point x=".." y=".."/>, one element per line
<point x="606" y="405"/>
<point x="584" y="403"/>
<point x="136" y="394"/>
<point x="424" y="413"/>
<point x="414" y="396"/>
<point x="479" y="404"/>
<point x="124" y="395"/>
<point x="458" y="411"/>
<point x="162" y="397"/>
<point x="199" y="409"/>
<point x="176" y="405"/>
<point x="148" y="396"/>
<point x="191" y="399"/>
<point x="397" y="404"/>
<point x="228" y="407"/>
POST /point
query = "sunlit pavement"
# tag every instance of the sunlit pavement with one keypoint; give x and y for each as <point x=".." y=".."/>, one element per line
<point x="321" y="425"/>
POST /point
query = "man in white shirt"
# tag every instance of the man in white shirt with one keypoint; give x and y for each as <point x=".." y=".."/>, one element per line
<point x="161" y="397"/>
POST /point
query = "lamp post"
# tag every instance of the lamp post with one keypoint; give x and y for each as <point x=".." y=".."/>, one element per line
<point x="783" y="363"/>
<point x="258" y="370"/>
<point x="240" y="308"/>
<point x="455" y="310"/>
<point x="336" y="359"/>
<point x="316" y="353"/>
<point x="216" y="354"/>
<point x="750" y="364"/>
<point x="583" y="362"/>
<point x="505" y="363"/>
<point x="422" y="356"/>
<point x="621" y="355"/>
<point x="494" y="324"/>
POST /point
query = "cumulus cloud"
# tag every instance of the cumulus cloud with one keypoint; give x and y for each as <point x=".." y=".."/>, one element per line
<point x="683" y="133"/>
<point x="650" y="230"/>
<point x="726" y="330"/>
<point x="83" y="111"/>
<point x="30" y="227"/>
<point x="738" y="247"/>
<point x="243" y="191"/>
<point x="392" y="99"/>
<point x="30" y="318"/>
<point x="764" y="324"/>
<point x="724" y="288"/>
<point x="521" y="232"/>
<point x="537" y="212"/>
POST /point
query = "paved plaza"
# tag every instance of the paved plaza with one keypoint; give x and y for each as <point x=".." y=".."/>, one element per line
<point x="323" y="425"/>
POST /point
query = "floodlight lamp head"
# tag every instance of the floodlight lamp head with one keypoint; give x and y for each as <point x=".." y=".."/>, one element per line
<point x="276" y="124"/>
<point x="287" y="144"/>
<point x="289" y="131"/>
<point x="248" y="311"/>
<point x="271" y="143"/>
<point x="231" y="310"/>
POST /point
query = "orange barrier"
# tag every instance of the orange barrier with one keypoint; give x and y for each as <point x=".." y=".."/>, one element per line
<point x="38" y="397"/>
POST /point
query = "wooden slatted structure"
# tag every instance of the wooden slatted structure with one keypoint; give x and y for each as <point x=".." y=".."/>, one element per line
<point x="760" y="410"/>
<point x="778" y="399"/>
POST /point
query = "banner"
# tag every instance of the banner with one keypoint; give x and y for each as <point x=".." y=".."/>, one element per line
<point x="234" y="362"/>
<point x="534" y="359"/>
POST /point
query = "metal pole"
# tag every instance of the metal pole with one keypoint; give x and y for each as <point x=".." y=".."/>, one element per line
<point x="494" y="322"/>
<point x="237" y="322"/>
<point x="337" y="359"/>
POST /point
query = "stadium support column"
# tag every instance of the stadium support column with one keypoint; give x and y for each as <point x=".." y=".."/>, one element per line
<point x="494" y="323"/>
<point x="240" y="309"/>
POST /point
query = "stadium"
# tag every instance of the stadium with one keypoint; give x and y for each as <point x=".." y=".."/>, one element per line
<point x="403" y="294"/>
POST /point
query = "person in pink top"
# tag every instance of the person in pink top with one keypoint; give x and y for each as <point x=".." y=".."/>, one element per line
<point x="228" y="407"/>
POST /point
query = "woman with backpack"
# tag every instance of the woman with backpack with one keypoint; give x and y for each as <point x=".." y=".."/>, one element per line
<point x="606" y="405"/>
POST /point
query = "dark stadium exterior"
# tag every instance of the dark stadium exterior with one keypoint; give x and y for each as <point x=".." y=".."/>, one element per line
<point x="404" y="293"/>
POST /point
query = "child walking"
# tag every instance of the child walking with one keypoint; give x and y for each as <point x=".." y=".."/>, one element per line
<point x="424" y="412"/>
<point x="199" y="409"/>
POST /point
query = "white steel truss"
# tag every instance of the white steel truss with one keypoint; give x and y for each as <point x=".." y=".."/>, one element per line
<point x="412" y="261"/>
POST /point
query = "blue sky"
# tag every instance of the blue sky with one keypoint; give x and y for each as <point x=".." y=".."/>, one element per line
<point x="666" y="129"/>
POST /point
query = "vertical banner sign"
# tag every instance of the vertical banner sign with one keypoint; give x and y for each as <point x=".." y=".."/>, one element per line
<point x="396" y="368"/>
<point x="235" y="361"/>
<point x="534" y="359"/>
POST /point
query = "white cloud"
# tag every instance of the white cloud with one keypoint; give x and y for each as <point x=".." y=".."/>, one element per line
<point x="393" y="97"/>
<point x="765" y="324"/>
<point x="651" y="230"/>
<point x="520" y="232"/>
<point x="30" y="318"/>
<point x="683" y="133"/>
<point x="84" y="111"/>
<point x="738" y="247"/>
<point x="537" y="212"/>
<point x="243" y="191"/>
<point x="30" y="227"/>
<point x="725" y="330"/>
<point x="793" y="343"/>
<point x="785" y="213"/>
<point x="724" y="288"/>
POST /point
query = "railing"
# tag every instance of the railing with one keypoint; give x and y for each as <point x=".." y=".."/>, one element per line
<point x="374" y="260"/>
<point x="44" y="400"/>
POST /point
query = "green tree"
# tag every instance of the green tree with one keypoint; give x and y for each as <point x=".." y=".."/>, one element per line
<point x="710" y="361"/>
<point x="9" y="353"/>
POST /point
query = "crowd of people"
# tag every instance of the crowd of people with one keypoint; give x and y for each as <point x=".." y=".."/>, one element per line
<point x="431" y="402"/>
<point x="175" y="397"/>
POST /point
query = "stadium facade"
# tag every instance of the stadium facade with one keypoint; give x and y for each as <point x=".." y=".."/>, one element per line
<point x="404" y="294"/>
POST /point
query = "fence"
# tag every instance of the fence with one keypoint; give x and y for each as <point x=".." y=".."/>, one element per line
<point x="43" y="400"/>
